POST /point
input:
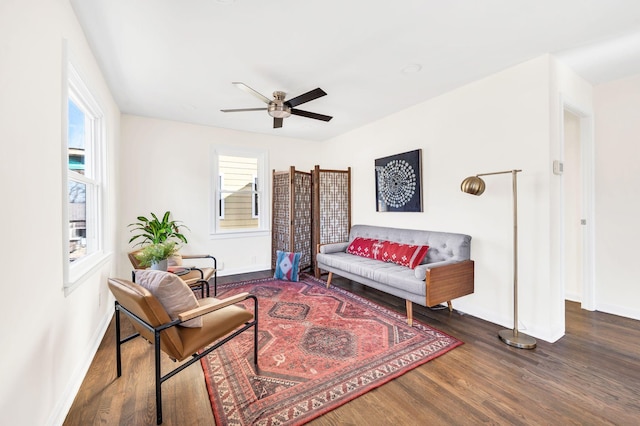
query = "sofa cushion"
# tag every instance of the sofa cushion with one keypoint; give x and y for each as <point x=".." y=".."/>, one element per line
<point x="387" y="273"/>
<point x="443" y="246"/>
<point x="403" y="254"/>
<point x="366" y="247"/>
<point x="172" y="292"/>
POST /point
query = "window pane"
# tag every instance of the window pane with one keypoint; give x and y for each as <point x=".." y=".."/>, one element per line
<point x="77" y="220"/>
<point x="76" y="138"/>
<point x="238" y="211"/>
<point x="239" y="173"/>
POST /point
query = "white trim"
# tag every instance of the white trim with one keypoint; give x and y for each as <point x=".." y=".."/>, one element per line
<point x="587" y="154"/>
<point x="244" y="270"/>
<point x="255" y="194"/>
<point x="264" y="222"/>
<point x="84" y="268"/>
<point x="219" y="197"/>
<point x="223" y="235"/>
<point x="74" y="88"/>
<point x="621" y="311"/>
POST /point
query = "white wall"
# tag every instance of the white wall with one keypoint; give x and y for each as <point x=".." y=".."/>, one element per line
<point x="48" y="339"/>
<point x="617" y="196"/>
<point x="495" y="124"/>
<point x="166" y="165"/>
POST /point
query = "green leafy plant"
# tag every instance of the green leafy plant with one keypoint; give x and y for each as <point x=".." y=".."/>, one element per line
<point x="156" y="231"/>
<point x="154" y="253"/>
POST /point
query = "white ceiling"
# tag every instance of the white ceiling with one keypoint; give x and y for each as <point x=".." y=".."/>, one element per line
<point x="176" y="59"/>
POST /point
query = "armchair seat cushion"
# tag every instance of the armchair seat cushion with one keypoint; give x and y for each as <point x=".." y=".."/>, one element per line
<point x="215" y="324"/>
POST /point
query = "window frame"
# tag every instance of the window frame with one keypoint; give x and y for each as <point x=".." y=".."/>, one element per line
<point x="220" y="199"/>
<point x="255" y="199"/>
<point x="75" y="89"/>
<point x="263" y="193"/>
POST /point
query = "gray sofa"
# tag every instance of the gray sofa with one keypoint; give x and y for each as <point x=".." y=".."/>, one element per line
<point x="446" y="273"/>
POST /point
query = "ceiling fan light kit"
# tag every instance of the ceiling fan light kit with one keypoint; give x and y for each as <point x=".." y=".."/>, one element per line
<point x="279" y="108"/>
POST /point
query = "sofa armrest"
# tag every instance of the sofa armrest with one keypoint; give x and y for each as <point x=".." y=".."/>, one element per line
<point x="448" y="282"/>
<point x="421" y="270"/>
<point x="332" y="248"/>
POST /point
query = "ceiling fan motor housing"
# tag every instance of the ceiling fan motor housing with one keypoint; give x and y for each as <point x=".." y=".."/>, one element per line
<point x="277" y="107"/>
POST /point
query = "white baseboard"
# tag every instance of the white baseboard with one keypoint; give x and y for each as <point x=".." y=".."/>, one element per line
<point x="244" y="270"/>
<point x="66" y="399"/>
<point x="620" y="311"/>
<point x="573" y="297"/>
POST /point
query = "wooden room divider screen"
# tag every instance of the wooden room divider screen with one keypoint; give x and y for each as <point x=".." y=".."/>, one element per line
<point x="309" y="209"/>
<point x="331" y="208"/>
<point x="291" y="215"/>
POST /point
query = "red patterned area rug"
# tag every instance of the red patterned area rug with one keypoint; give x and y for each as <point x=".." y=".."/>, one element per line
<point x="319" y="348"/>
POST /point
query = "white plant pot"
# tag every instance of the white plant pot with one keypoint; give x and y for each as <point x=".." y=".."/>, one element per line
<point x="159" y="266"/>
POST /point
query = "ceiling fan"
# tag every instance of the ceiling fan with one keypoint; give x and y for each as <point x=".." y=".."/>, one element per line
<point x="279" y="108"/>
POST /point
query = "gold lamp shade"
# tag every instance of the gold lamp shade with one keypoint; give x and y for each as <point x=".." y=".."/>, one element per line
<point x="473" y="185"/>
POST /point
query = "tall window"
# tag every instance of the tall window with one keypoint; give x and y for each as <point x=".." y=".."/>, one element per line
<point x="83" y="196"/>
<point x="239" y="195"/>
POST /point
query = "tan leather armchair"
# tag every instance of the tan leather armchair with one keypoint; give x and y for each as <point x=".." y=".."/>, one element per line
<point x="222" y="321"/>
<point x="196" y="278"/>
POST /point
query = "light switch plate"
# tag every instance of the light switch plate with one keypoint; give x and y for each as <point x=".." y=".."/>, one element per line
<point x="558" y="167"/>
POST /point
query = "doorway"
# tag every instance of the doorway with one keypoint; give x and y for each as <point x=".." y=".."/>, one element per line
<point x="572" y="201"/>
<point x="577" y="200"/>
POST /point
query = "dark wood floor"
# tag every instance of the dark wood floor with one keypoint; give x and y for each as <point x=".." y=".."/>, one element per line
<point x="589" y="377"/>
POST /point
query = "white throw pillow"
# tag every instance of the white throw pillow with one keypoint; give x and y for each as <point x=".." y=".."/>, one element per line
<point x="173" y="293"/>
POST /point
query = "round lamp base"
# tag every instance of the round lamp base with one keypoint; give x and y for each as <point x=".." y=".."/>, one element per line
<point x="518" y="340"/>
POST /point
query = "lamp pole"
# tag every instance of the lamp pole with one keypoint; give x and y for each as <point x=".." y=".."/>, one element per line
<point x="474" y="185"/>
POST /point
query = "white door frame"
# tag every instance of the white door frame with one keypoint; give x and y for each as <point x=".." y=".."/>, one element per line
<point x="587" y="158"/>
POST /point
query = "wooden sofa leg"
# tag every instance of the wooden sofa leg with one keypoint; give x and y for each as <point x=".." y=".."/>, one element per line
<point x="409" y="313"/>
<point x="329" y="279"/>
<point x="450" y="305"/>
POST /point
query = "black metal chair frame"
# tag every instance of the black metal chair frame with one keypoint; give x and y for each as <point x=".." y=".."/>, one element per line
<point x="159" y="378"/>
<point x="205" y="283"/>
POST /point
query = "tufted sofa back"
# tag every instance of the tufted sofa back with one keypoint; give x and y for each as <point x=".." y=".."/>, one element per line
<point x="443" y="246"/>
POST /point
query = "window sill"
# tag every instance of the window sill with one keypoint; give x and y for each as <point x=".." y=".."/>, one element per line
<point x="78" y="273"/>
<point x="240" y="234"/>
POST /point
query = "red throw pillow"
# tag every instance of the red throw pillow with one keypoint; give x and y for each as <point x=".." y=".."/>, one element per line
<point x="403" y="254"/>
<point x="365" y="247"/>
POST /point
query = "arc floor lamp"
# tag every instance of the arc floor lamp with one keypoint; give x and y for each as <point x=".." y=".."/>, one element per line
<point x="474" y="185"/>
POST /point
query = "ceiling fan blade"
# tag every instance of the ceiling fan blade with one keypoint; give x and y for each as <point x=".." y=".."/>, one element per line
<point x="306" y="97"/>
<point x="277" y="122"/>
<point x="249" y="90"/>
<point x="310" y="114"/>
<point x="243" y="109"/>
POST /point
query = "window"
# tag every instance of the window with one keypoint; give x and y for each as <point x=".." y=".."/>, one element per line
<point x="82" y="146"/>
<point x="240" y="193"/>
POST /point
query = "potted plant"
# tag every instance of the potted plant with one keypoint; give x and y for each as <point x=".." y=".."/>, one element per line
<point x="156" y="231"/>
<point x="161" y="236"/>
<point x="156" y="255"/>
